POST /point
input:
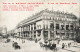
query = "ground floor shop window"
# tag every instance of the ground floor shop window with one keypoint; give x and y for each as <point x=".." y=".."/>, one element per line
<point x="45" y="35"/>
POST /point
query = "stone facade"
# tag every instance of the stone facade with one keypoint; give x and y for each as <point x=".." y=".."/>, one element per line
<point x="48" y="25"/>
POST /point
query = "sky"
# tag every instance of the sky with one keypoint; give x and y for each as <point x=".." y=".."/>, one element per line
<point x="10" y="19"/>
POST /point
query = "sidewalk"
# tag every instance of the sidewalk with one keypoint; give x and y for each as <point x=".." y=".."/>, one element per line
<point x="74" y="47"/>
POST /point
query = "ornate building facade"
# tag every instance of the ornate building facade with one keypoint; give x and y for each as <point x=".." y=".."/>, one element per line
<point x="48" y="25"/>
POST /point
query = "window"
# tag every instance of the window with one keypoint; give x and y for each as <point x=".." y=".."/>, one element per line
<point x="37" y="26"/>
<point x="51" y="26"/>
<point x="44" y="26"/>
<point x="57" y="26"/>
<point x="34" y="32"/>
<point x="34" y="28"/>
<point x="71" y="26"/>
<point x="62" y="27"/>
<point x="57" y="33"/>
<point x="29" y="27"/>
<point x="62" y="33"/>
<point x="67" y="27"/>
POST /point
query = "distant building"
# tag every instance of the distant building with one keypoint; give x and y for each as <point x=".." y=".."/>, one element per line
<point x="0" y="31"/>
<point x="48" y="25"/>
<point x="3" y="31"/>
<point x="11" y="33"/>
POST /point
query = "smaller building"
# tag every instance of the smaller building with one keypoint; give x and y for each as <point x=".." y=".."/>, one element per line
<point x="13" y="33"/>
<point x="0" y="31"/>
<point x="3" y="31"/>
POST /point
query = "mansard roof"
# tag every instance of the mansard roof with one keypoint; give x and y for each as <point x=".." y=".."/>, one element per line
<point x="69" y="15"/>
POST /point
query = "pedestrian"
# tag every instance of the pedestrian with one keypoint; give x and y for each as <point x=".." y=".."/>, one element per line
<point x="63" y="45"/>
<point x="12" y="43"/>
<point x="69" y="44"/>
<point x="36" y="40"/>
<point x="66" y="46"/>
<point x="58" y="41"/>
<point x="22" y="41"/>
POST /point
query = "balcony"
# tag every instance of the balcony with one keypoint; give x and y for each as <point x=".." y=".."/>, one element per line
<point x="27" y="29"/>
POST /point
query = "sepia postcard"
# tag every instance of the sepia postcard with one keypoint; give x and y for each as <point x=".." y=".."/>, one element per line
<point x="39" y="25"/>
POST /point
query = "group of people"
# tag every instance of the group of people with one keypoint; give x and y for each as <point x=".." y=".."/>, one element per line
<point x="64" y="45"/>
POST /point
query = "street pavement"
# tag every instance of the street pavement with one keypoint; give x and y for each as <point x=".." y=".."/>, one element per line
<point x="31" y="46"/>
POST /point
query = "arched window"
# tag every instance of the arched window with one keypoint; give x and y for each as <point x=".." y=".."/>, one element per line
<point x="51" y="26"/>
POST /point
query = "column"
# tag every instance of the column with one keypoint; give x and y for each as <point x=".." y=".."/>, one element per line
<point x="30" y="31"/>
<point x="33" y="34"/>
<point x="36" y="34"/>
<point x="20" y="31"/>
<point x="30" y="35"/>
<point x="48" y="34"/>
<point x="54" y="30"/>
<point x="60" y="26"/>
<point x="65" y="30"/>
<point x="60" y="30"/>
<point x="42" y="35"/>
<point x="30" y="27"/>
<point x="33" y="26"/>
<point x="48" y="25"/>
<point x="68" y="31"/>
<point x="48" y="30"/>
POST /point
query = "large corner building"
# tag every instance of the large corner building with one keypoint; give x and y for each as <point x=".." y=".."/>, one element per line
<point x="48" y="25"/>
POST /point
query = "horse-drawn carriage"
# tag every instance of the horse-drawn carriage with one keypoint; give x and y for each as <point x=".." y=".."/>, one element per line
<point x="49" y="45"/>
<point x="16" y="46"/>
